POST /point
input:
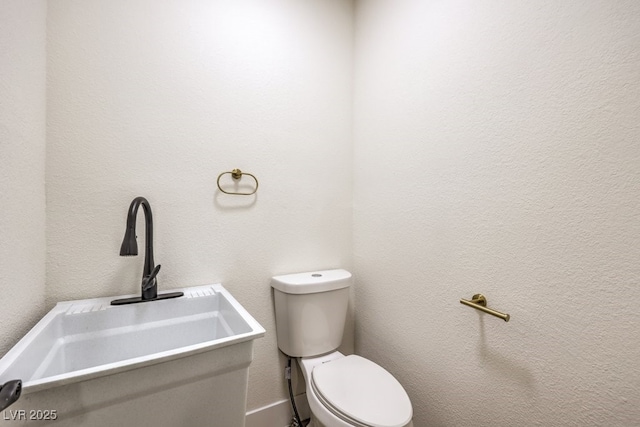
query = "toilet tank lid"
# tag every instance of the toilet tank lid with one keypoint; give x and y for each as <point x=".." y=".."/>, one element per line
<point x="312" y="282"/>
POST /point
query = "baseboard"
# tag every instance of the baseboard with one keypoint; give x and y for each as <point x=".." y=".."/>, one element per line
<point x="278" y="413"/>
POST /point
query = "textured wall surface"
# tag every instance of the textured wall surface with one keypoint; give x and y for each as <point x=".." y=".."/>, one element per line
<point x="157" y="101"/>
<point x="497" y="150"/>
<point x="22" y="153"/>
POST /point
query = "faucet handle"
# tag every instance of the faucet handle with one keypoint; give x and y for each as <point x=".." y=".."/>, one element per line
<point x="149" y="281"/>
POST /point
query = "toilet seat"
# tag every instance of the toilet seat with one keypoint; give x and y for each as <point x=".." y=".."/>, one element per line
<point x="361" y="393"/>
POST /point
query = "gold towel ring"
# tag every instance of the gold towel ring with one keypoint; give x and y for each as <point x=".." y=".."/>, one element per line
<point x="236" y="174"/>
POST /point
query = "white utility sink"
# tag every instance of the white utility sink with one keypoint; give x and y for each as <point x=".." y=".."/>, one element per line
<point x="82" y="340"/>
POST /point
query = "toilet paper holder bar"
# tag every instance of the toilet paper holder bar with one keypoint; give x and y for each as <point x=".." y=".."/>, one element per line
<point x="479" y="302"/>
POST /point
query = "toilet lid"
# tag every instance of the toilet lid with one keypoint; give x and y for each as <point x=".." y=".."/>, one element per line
<point x="357" y="389"/>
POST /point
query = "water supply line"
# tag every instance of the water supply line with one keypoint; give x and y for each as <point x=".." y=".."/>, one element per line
<point x="287" y="374"/>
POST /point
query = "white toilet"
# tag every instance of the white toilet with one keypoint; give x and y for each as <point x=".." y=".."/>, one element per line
<point x="343" y="391"/>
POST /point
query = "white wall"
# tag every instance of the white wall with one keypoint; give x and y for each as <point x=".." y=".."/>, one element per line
<point x="22" y="153"/>
<point x="157" y="99"/>
<point x="497" y="151"/>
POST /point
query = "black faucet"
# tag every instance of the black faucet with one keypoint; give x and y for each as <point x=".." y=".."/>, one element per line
<point x="149" y="288"/>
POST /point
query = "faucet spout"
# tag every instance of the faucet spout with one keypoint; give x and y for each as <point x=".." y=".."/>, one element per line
<point x="149" y="286"/>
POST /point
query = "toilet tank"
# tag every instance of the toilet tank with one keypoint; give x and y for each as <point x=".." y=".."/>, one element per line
<point x="311" y="309"/>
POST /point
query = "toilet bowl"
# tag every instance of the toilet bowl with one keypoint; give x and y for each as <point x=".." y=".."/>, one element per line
<point x="343" y="391"/>
<point x="348" y="391"/>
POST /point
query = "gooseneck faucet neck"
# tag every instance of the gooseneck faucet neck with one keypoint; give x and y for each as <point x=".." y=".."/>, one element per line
<point x="148" y="233"/>
<point x="130" y="246"/>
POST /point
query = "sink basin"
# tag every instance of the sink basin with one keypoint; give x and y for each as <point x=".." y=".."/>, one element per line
<point x="81" y="340"/>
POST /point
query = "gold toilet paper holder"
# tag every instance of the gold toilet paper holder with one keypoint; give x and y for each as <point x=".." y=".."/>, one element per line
<point x="479" y="302"/>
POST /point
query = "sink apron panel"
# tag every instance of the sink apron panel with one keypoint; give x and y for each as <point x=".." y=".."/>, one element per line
<point x="206" y="389"/>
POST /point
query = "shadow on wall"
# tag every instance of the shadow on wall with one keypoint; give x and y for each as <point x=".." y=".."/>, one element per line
<point x="507" y="369"/>
<point x="230" y="203"/>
